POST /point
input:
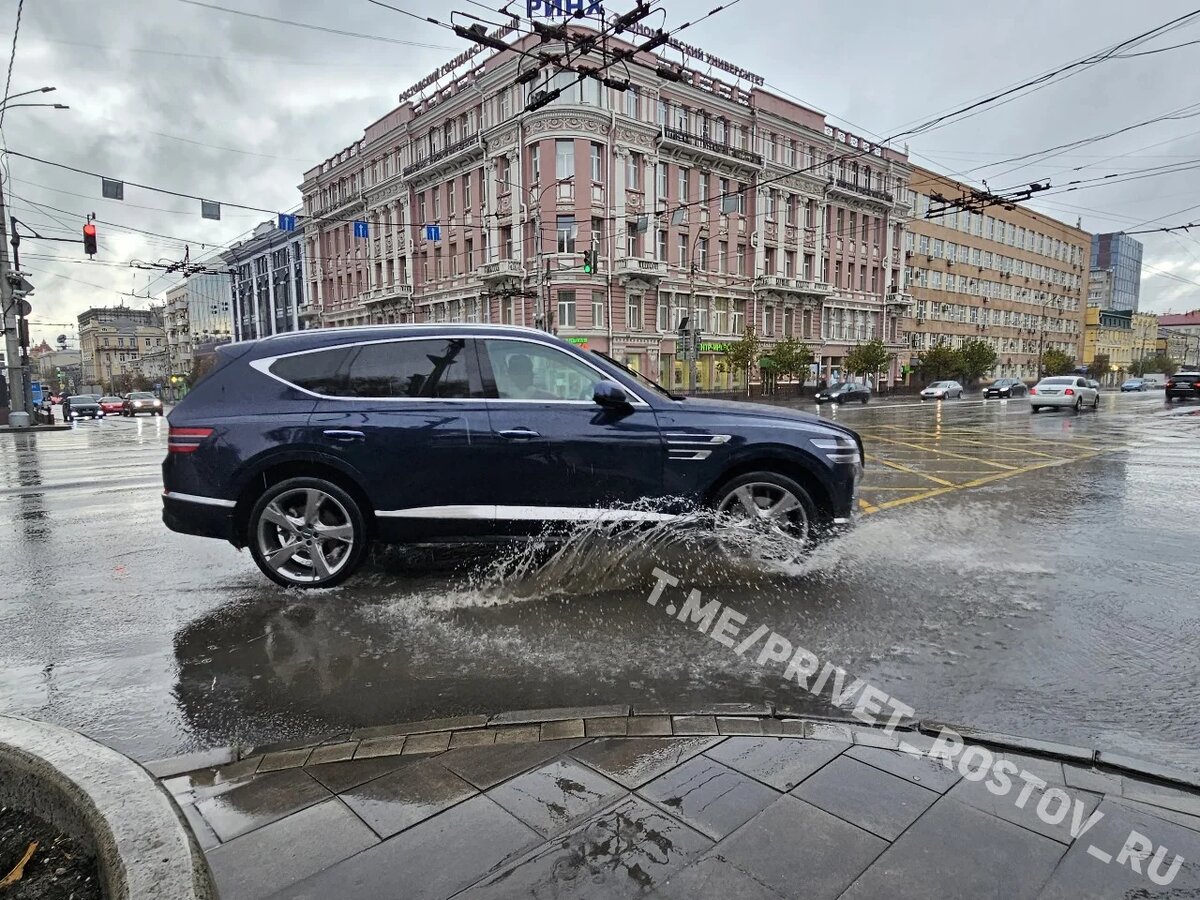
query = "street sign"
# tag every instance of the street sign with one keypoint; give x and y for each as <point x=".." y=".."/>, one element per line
<point x="210" y="209"/>
<point x="433" y="232"/>
<point x="287" y="222"/>
<point x="24" y="308"/>
<point x="112" y="189"/>
<point x="360" y="229"/>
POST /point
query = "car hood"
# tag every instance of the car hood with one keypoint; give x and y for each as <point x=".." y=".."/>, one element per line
<point x="781" y="414"/>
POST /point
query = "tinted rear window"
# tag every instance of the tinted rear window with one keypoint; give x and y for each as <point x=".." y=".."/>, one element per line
<point x="1187" y="377"/>
<point x="1070" y="381"/>
<point x="322" y="371"/>
<point x="434" y="368"/>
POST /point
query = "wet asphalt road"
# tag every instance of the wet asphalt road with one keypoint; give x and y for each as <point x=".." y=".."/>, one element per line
<point x="1028" y="574"/>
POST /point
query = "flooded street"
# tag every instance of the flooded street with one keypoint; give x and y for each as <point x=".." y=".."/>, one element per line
<point x="1026" y="574"/>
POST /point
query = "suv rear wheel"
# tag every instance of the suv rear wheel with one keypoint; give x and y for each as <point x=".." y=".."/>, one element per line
<point x="307" y="532"/>
<point x="767" y="501"/>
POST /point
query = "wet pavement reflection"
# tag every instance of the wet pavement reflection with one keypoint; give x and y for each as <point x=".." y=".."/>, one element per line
<point x="1029" y="574"/>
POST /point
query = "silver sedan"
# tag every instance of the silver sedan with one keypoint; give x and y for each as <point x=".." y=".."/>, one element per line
<point x="942" y="390"/>
<point x="1063" y="390"/>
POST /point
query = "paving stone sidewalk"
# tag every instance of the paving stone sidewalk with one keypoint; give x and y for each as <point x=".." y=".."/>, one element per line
<point x="732" y="801"/>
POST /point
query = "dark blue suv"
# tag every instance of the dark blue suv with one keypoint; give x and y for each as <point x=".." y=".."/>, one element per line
<point x="305" y="447"/>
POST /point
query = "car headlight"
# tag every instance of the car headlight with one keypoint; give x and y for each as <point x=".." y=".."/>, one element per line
<point x="838" y="449"/>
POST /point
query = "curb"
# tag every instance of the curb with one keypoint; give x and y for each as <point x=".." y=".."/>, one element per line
<point x="715" y="719"/>
<point x="33" y="429"/>
<point x="108" y="803"/>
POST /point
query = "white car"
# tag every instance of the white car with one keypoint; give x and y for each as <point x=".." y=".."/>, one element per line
<point x="942" y="390"/>
<point x="1063" y="390"/>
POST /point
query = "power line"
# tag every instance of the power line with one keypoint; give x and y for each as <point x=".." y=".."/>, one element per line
<point x="12" y="58"/>
<point x="327" y="30"/>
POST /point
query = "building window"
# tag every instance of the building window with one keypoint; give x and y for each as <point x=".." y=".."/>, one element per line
<point x="466" y="182"/>
<point x="633" y="166"/>
<point x="450" y="198"/>
<point x="661" y="180"/>
<point x="702" y="253"/>
<point x="741" y="259"/>
<point x="768" y="324"/>
<point x="661" y="113"/>
<point x="564" y="159"/>
<point x="597" y="309"/>
<point x="565" y="226"/>
<point x="661" y="247"/>
<point x="634" y="312"/>
<point x="566" y="309"/>
<point x="506" y="242"/>
<point x="683" y="250"/>
<point x="683" y="185"/>
<point x="597" y="163"/>
<point x="722" y="253"/>
<point x="664" y="313"/>
<point x="631" y="102"/>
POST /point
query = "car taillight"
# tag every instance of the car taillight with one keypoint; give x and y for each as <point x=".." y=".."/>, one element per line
<point x="1069" y="391"/>
<point x="1170" y="384"/>
<point x="1033" y="390"/>
<point x="186" y="440"/>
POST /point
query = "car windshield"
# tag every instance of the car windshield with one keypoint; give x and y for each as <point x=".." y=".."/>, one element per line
<point x="141" y="396"/>
<point x="82" y="398"/>
<point x="940" y="384"/>
<point x="641" y="379"/>
<point x="110" y="399"/>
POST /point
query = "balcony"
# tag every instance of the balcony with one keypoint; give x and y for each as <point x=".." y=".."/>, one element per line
<point x="396" y="294"/>
<point x="897" y="298"/>
<point x="500" y="269"/>
<point x="849" y="187"/>
<point x="781" y="284"/>
<point x="634" y="267"/>
<point x="711" y="147"/>
<point x="469" y="143"/>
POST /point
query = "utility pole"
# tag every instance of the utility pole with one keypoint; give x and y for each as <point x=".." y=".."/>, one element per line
<point x="13" y="373"/>
<point x="693" y="343"/>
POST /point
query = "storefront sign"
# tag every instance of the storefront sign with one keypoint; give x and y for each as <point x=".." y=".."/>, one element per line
<point x="708" y="347"/>
<point x="577" y="341"/>
<point x="548" y="9"/>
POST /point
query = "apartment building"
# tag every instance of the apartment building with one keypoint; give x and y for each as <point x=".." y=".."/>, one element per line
<point x="1012" y="277"/>
<point x="268" y="283"/>
<point x="1116" y="263"/>
<point x="112" y="340"/>
<point x="703" y="200"/>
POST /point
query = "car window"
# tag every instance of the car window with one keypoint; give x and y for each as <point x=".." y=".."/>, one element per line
<point x="110" y="399"/>
<point x="322" y="371"/>
<point x="1058" y="381"/>
<point x="433" y="368"/>
<point x="529" y="371"/>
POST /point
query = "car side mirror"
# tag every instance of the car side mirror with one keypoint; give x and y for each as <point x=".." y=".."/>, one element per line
<point x="610" y="395"/>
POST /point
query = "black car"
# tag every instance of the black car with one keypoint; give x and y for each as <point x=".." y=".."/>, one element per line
<point x="82" y="406"/>
<point x="844" y="392"/>
<point x="1183" y="386"/>
<point x="307" y="446"/>
<point x="1005" y="387"/>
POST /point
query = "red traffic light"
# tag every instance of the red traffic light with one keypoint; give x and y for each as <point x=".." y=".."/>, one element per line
<point x="89" y="239"/>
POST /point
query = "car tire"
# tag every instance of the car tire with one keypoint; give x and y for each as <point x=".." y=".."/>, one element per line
<point x="1078" y="404"/>
<point x="158" y="413"/>
<point x="1096" y="402"/>
<point x="1035" y="409"/>
<point x="802" y="521"/>
<point x="280" y="522"/>
<point x="865" y="399"/>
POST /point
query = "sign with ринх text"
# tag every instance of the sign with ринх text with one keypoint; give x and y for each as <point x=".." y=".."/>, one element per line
<point x="549" y="9"/>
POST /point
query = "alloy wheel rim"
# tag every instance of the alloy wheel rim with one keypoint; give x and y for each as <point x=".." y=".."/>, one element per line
<point x="305" y="535"/>
<point x="761" y="504"/>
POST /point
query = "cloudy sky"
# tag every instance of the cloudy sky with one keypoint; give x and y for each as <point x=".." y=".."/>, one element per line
<point x="235" y="108"/>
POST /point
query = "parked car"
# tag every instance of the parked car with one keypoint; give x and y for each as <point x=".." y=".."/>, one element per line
<point x="844" y="392"/>
<point x="142" y="402"/>
<point x="1005" y="387"/>
<point x="942" y="390"/>
<point x="111" y="405"/>
<point x="1063" y="390"/>
<point x="1133" y="384"/>
<point x="82" y="406"/>
<point x="1094" y="384"/>
<point x="308" y="446"/>
<point x="1184" y="386"/>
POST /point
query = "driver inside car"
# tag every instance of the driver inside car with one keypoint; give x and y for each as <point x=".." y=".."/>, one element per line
<point x="520" y="380"/>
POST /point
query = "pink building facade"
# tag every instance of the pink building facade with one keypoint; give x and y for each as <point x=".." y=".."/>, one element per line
<point x="732" y="208"/>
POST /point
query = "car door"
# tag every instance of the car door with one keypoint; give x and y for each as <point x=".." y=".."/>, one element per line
<point x="409" y="416"/>
<point x="556" y="454"/>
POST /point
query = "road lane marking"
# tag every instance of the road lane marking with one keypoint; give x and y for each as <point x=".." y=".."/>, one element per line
<point x="949" y="453"/>
<point x="900" y="468"/>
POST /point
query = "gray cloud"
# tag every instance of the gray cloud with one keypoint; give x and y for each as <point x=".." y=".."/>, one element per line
<point x="138" y="69"/>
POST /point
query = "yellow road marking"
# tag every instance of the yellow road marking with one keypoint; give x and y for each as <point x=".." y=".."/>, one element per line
<point x="906" y="469"/>
<point x="881" y="487"/>
<point x="946" y="453"/>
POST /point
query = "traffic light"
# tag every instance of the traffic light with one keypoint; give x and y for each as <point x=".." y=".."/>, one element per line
<point x="89" y="239"/>
<point x="589" y="262"/>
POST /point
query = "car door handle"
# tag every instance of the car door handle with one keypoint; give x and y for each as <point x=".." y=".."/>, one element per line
<point x="344" y="436"/>
<point x="519" y="434"/>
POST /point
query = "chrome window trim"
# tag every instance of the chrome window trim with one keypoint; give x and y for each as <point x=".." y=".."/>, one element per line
<point x="264" y="364"/>
<point x="485" y="512"/>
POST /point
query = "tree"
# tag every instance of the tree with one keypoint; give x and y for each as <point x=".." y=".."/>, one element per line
<point x="977" y="359"/>
<point x="1159" y="362"/>
<point x="1055" y="362"/>
<point x="792" y="359"/>
<point x="1099" y="366"/>
<point x="866" y="359"/>
<point x="939" y="362"/>
<point x="201" y="366"/>
<point x="743" y="354"/>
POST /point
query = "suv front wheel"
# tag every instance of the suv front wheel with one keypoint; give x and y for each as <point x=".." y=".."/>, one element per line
<point x="759" y="503"/>
<point x="307" y="532"/>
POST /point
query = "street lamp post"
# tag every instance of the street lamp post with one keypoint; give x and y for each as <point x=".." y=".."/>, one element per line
<point x="540" y="317"/>
<point x="1042" y="333"/>
<point x="17" y="369"/>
